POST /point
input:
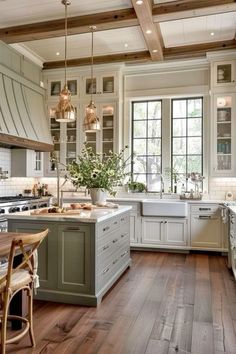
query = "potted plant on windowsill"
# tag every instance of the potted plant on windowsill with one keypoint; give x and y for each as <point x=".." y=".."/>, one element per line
<point x="136" y="187"/>
<point x="99" y="173"/>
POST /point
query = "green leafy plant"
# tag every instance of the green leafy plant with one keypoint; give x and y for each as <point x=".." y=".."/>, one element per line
<point x="137" y="187"/>
<point x="93" y="170"/>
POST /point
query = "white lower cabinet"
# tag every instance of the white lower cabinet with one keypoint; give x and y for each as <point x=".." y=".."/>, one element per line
<point x="168" y="231"/>
<point x="205" y="227"/>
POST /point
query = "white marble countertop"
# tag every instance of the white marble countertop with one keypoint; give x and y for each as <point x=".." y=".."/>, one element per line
<point x="69" y="199"/>
<point x="88" y="216"/>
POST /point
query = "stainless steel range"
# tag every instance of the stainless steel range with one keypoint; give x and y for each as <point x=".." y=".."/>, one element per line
<point x="13" y="204"/>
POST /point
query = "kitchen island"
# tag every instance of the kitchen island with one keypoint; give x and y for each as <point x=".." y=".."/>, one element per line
<point x="83" y="255"/>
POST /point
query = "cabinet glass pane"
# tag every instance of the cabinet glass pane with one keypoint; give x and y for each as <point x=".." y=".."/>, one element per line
<point x="108" y="84"/>
<point x="72" y="86"/>
<point x="224" y="133"/>
<point x="55" y="88"/>
<point x="55" y="129"/>
<point x="91" y="87"/>
<point x="224" y="73"/>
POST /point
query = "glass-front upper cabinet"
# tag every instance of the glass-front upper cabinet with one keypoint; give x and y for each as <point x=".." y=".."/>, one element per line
<point x="103" y="84"/>
<point x="224" y="131"/>
<point x="104" y="140"/>
<point x="55" y="87"/>
<point x="65" y="140"/>
<point x="224" y="73"/>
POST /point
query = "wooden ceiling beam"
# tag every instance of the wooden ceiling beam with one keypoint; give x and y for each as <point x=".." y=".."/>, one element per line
<point x="142" y="56"/>
<point x="151" y="32"/>
<point x="197" y="50"/>
<point x="180" y="9"/>
<point x="76" y="25"/>
<point x="173" y="53"/>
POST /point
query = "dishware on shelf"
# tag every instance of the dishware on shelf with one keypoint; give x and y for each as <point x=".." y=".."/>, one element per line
<point x="109" y="123"/>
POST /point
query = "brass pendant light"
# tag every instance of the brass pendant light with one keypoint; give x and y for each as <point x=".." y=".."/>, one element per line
<point x="65" y="111"/>
<point x="91" y="121"/>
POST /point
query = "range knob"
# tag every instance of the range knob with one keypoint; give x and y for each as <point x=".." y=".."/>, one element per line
<point x="24" y="208"/>
<point x="2" y="211"/>
<point x="13" y="210"/>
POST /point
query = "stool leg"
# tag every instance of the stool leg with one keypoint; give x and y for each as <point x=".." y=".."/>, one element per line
<point x="30" y="314"/>
<point x="4" y="323"/>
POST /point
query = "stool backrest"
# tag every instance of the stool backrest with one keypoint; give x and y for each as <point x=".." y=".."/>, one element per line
<point x="26" y="245"/>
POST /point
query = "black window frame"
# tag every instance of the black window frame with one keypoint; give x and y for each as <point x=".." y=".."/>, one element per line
<point x="145" y="155"/>
<point x="186" y="137"/>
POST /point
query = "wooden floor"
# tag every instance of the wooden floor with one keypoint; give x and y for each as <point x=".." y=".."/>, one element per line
<point x="165" y="303"/>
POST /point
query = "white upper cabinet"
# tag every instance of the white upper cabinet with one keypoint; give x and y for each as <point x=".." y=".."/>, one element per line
<point x="224" y="135"/>
<point x="65" y="138"/>
<point x="104" y="84"/>
<point x="26" y="163"/>
<point x="224" y="74"/>
<point x="54" y="87"/>
<point x="106" y="139"/>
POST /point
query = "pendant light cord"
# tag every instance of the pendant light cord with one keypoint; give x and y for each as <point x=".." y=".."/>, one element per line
<point x="65" y="41"/>
<point x="92" y="67"/>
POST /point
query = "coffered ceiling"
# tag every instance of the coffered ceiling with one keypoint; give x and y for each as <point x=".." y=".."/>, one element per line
<point x="153" y="31"/>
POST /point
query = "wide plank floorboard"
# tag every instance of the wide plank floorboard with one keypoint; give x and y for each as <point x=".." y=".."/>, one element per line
<point x="165" y="303"/>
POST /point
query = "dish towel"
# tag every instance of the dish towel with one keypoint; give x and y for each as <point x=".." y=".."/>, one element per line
<point x="35" y="270"/>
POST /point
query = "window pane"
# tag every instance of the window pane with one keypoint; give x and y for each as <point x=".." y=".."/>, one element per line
<point x="154" y="146"/>
<point x="140" y="110"/>
<point x="153" y="182"/>
<point x="179" y="164"/>
<point x="179" y="127"/>
<point x="195" y="127"/>
<point x="195" y="107"/>
<point x="139" y="178"/>
<point x="139" y="146"/>
<point x="154" y="129"/>
<point x="194" y="145"/>
<point x="139" y="165"/>
<point x="179" y="146"/>
<point x="154" y="164"/>
<point x="139" y="129"/>
<point x="179" y="108"/>
<point x="195" y="164"/>
<point x="154" y="110"/>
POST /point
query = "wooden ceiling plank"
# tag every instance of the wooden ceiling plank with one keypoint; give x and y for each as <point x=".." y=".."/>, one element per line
<point x="153" y="39"/>
<point x="76" y="25"/>
<point x="177" y="10"/>
<point x="142" y="56"/>
<point x="197" y="50"/>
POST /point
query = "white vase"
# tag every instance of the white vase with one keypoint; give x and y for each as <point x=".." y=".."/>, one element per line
<point x="98" y="195"/>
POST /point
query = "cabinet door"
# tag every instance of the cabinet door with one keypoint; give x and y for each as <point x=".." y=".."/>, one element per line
<point x="47" y="252"/>
<point x="135" y="228"/>
<point x="224" y="73"/>
<point x="152" y="230"/>
<point x="102" y="85"/>
<point x="75" y="258"/>
<point x="224" y="135"/>
<point x="205" y="231"/>
<point x="104" y="140"/>
<point x="176" y="232"/>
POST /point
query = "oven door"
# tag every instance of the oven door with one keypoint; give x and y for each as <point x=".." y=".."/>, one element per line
<point x="3" y="225"/>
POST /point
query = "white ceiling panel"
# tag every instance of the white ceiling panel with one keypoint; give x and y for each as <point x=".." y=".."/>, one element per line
<point x="17" y="12"/>
<point x="105" y="42"/>
<point x="198" y="30"/>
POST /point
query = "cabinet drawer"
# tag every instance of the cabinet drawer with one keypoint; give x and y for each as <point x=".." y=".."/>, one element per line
<point x="108" y="226"/>
<point x="205" y="209"/>
<point x="112" y="265"/>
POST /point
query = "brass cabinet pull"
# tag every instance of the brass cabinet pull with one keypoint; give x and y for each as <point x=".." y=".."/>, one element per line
<point x="115" y="222"/>
<point x="123" y="235"/>
<point x="122" y="219"/>
<point x="115" y="261"/>
<point x="115" y="240"/>
<point x="105" y="247"/>
<point x="204" y="209"/>
<point x="106" y="228"/>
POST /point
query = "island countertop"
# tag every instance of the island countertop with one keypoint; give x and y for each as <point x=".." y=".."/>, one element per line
<point x="89" y="216"/>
